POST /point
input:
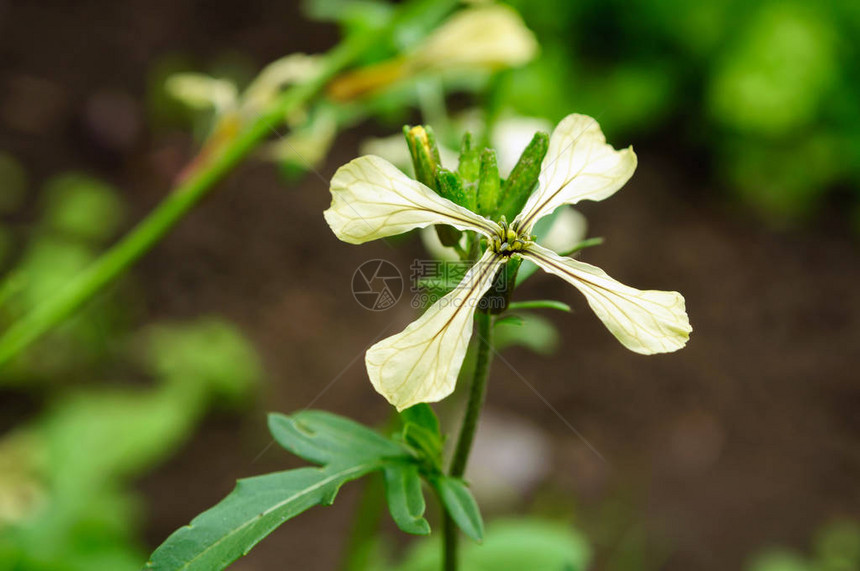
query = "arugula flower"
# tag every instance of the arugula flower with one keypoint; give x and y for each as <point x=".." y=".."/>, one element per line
<point x="372" y="199"/>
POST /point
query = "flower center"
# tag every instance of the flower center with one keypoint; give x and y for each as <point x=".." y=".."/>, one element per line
<point x="508" y="241"/>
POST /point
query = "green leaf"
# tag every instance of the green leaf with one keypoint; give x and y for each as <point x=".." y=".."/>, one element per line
<point x="257" y="506"/>
<point x="421" y="432"/>
<point x="460" y="505"/>
<point x="421" y="414"/>
<point x="326" y="438"/>
<point x="536" y="333"/>
<point x="531" y="544"/>
<point x="405" y="498"/>
<point x="539" y="304"/>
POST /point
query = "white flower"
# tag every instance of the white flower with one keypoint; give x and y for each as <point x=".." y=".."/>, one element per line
<point x="372" y="199"/>
<point x="493" y="36"/>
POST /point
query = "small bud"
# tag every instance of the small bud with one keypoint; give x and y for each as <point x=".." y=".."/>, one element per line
<point x="425" y="154"/>
<point x="448" y="186"/>
<point x="524" y="177"/>
<point x="488" y="183"/>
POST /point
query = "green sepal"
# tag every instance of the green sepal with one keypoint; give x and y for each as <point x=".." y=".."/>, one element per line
<point x="460" y="505"/>
<point x="489" y="185"/>
<point x="405" y="498"/>
<point x="424" y="152"/>
<point x="523" y="178"/>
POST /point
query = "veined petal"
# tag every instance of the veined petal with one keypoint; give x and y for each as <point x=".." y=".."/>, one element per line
<point x="372" y="199"/>
<point x="579" y="165"/>
<point x="646" y="322"/>
<point x="421" y="363"/>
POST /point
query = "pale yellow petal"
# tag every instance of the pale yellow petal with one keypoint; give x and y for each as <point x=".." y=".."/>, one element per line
<point x="579" y="165"/>
<point x="646" y="322"/>
<point x="201" y="91"/>
<point x="484" y="37"/>
<point x="421" y="363"/>
<point x="372" y="199"/>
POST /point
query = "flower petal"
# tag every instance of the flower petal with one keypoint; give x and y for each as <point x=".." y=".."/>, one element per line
<point x="421" y="363"/>
<point x="493" y="37"/>
<point x="579" y="165"/>
<point x="646" y="322"/>
<point x="372" y="199"/>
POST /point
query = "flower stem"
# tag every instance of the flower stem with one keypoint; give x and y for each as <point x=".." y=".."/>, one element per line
<point x="470" y="424"/>
<point x="198" y="181"/>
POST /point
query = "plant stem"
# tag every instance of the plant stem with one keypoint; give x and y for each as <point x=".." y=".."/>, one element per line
<point x="198" y="182"/>
<point x="470" y="424"/>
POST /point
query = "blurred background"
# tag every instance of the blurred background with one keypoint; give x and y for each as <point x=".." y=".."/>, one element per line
<point x="740" y="452"/>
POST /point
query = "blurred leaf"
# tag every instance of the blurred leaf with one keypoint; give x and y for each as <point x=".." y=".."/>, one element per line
<point x="405" y="498"/>
<point x="538" y="304"/>
<point x="460" y="505"/>
<point x="13" y="183"/>
<point x="837" y="546"/>
<point x="773" y="80"/>
<point x="511" y="544"/>
<point x="209" y="353"/>
<point x="778" y="560"/>
<point x="536" y="333"/>
<point x="82" y="206"/>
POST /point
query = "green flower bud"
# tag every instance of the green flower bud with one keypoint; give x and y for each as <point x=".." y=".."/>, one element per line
<point x="523" y="178"/>
<point x="424" y="152"/>
<point x="488" y="183"/>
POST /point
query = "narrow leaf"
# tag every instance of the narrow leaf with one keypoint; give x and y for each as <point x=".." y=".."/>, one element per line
<point x="405" y="498"/>
<point x="460" y="505"/>
<point x="539" y="304"/>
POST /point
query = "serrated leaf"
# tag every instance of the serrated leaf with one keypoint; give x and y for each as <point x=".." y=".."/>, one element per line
<point x="325" y="438"/>
<point x="405" y="498"/>
<point x="257" y="506"/>
<point x="460" y="505"/>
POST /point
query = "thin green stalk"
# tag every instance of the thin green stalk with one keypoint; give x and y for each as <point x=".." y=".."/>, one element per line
<point x="477" y="393"/>
<point x="197" y="184"/>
